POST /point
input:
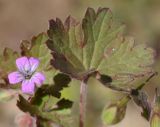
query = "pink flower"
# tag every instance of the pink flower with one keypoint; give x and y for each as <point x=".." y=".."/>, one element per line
<point x="27" y="74"/>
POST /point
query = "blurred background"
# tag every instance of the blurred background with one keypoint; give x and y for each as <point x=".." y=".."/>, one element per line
<point x="22" y="19"/>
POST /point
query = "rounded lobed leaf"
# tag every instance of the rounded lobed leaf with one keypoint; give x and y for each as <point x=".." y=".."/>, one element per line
<point x="97" y="44"/>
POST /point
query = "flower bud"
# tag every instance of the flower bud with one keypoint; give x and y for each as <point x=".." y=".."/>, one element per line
<point x="155" y="118"/>
<point x="115" y="112"/>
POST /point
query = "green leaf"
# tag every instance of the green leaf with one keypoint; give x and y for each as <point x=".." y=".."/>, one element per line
<point x="48" y="97"/>
<point x="97" y="44"/>
<point x="47" y="102"/>
<point x="155" y="118"/>
<point x="43" y="98"/>
<point x="45" y="116"/>
<point x="71" y="92"/>
<point x="61" y="81"/>
<point x="115" y="112"/>
<point x="37" y="48"/>
<point x="7" y="61"/>
<point x="7" y="65"/>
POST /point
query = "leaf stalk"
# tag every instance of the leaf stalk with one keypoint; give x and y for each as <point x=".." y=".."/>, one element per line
<point x="82" y="102"/>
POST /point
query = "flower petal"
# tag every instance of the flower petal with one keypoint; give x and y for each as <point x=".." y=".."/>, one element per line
<point x="28" y="87"/>
<point x="23" y="64"/>
<point x="34" y="62"/>
<point x="15" y="77"/>
<point x="38" y="78"/>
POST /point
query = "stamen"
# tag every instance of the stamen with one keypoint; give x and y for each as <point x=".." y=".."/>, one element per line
<point x="27" y="76"/>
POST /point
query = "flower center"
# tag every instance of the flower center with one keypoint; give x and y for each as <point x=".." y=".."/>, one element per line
<point x="27" y="76"/>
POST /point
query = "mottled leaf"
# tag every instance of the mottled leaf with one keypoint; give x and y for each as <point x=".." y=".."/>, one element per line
<point x="115" y="112"/>
<point x="61" y="81"/>
<point x="97" y="45"/>
<point x="43" y="98"/>
<point x="37" y="48"/>
<point x="46" y="116"/>
<point x="48" y="97"/>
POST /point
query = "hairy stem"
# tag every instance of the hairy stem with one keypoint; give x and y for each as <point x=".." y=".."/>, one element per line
<point x="82" y="102"/>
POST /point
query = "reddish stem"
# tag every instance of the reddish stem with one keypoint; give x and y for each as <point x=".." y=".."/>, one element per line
<point x="82" y="103"/>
